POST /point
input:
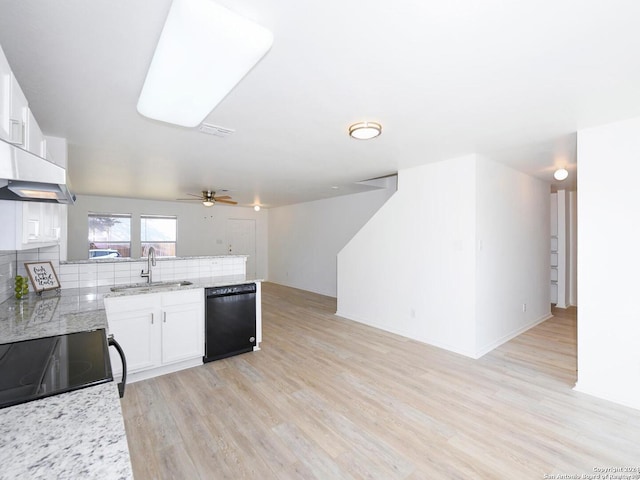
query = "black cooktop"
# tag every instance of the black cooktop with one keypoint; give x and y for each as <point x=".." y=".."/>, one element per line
<point x="38" y="368"/>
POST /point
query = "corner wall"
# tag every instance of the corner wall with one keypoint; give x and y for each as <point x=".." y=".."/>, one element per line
<point x="451" y="258"/>
<point x="411" y="269"/>
<point x="304" y="239"/>
<point x="609" y="262"/>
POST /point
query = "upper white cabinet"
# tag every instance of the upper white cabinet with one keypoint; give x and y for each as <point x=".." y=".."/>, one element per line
<point x="28" y="225"/>
<point x="5" y="92"/>
<point x="34" y="141"/>
<point x="17" y="123"/>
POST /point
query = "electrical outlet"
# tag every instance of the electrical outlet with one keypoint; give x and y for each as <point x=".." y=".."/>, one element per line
<point x="524" y="307"/>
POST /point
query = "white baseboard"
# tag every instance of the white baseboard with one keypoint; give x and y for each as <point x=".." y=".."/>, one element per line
<point x="511" y="335"/>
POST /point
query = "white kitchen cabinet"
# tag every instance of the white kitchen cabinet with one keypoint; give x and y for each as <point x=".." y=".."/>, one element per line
<point x="159" y="332"/>
<point x="18" y="112"/>
<point x="5" y="97"/>
<point x="182" y="326"/>
<point x="28" y="225"/>
<point x="133" y="325"/>
<point x="13" y="106"/>
<point x="34" y="141"/>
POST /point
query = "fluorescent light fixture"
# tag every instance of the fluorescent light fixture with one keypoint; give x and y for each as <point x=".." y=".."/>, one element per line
<point x="203" y="52"/>
<point x="561" y="174"/>
<point x="365" y="130"/>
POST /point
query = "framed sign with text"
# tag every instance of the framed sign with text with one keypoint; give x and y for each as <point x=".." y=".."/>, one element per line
<point x="42" y="275"/>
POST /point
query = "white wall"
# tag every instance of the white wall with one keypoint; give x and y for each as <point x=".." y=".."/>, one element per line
<point x="573" y="254"/>
<point x="450" y="259"/>
<point x="201" y="230"/>
<point x="513" y="267"/>
<point x="609" y="262"/>
<point x="304" y="239"/>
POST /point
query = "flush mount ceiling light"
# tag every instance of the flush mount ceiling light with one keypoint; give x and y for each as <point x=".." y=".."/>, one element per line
<point x="203" y="52"/>
<point x="561" y="174"/>
<point x="365" y="130"/>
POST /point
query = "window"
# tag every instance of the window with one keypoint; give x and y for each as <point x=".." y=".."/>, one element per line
<point x="109" y="235"/>
<point x="158" y="232"/>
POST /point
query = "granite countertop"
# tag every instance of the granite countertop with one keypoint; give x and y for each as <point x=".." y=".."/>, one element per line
<point x="144" y="259"/>
<point x="78" y="434"/>
<point x="52" y="313"/>
<point x="172" y="286"/>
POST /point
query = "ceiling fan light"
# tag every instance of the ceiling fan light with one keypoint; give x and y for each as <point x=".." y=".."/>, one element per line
<point x="207" y="203"/>
<point x="365" y="130"/>
<point x="561" y="174"/>
<point x="204" y="50"/>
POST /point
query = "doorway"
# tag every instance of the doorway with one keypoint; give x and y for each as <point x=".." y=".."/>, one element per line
<point x="241" y="240"/>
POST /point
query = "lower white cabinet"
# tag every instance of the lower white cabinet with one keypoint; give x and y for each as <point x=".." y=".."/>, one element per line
<point x="159" y="332"/>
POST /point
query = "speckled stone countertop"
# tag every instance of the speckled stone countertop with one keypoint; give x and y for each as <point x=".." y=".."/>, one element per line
<point x="156" y="287"/>
<point x="74" y="435"/>
<point x="52" y="313"/>
<point x="144" y="259"/>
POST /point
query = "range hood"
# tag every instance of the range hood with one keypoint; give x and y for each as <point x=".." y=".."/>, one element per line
<point x="29" y="178"/>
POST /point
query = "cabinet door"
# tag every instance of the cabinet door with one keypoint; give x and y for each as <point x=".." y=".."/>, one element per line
<point x="35" y="142"/>
<point x="5" y="96"/>
<point x="32" y="222"/>
<point x="136" y="332"/>
<point x="182" y="332"/>
<point x="51" y="213"/>
<point x="18" y="109"/>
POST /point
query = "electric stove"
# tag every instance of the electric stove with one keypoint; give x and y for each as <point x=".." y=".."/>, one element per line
<point x="41" y="367"/>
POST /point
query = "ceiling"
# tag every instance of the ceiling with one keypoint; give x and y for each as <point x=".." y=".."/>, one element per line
<point x="510" y="80"/>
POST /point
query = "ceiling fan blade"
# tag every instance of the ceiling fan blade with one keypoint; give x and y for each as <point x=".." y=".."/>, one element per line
<point x="223" y="197"/>
<point x="230" y="202"/>
<point x="189" y="199"/>
<point x="194" y="195"/>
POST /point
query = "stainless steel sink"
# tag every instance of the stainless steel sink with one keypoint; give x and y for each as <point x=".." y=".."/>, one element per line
<point x="147" y="287"/>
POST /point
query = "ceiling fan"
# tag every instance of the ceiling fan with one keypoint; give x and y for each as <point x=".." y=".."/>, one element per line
<point x="208" y="198"/>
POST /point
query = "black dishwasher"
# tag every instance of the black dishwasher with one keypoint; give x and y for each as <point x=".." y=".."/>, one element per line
<point x="230" y="321"/>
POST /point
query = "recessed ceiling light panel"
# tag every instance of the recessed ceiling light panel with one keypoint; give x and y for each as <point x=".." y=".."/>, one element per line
<point x="203" y="52"/>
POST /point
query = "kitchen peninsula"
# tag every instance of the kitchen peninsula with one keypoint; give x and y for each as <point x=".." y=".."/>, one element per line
<point x="80" y="433"/>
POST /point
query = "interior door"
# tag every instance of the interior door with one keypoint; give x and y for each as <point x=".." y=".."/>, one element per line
<point x="242" y="241"/>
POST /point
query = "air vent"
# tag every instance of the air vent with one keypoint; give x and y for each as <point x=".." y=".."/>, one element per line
<point x="215" y="130"/>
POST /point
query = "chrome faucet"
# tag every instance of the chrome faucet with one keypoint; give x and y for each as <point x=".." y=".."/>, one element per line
<point x="151" y="262"/>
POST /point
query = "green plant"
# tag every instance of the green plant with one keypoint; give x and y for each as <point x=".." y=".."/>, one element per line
<point x="22" y="286"/>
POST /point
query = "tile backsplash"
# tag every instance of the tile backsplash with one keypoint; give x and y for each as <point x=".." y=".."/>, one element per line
<point x="85" y="274"/>
<point x="91" y="274"/>
<point x="12" y="264"/>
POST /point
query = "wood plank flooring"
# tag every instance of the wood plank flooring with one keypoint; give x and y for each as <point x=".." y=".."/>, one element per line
<point x="327" y="398"/>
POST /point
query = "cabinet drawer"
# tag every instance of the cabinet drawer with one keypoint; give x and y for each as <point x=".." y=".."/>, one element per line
<point x="191" y="295"/>
<point x="130" y="303"/>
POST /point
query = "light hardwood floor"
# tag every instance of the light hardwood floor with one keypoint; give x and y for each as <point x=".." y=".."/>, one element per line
<point x="327" y="398"/>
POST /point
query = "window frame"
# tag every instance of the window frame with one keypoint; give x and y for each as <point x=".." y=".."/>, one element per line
<point x="108" y="244"/>
<point x="144" y="244"/>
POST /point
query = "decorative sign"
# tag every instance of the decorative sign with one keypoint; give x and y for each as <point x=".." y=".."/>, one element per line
<point x="42" y="275"/>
